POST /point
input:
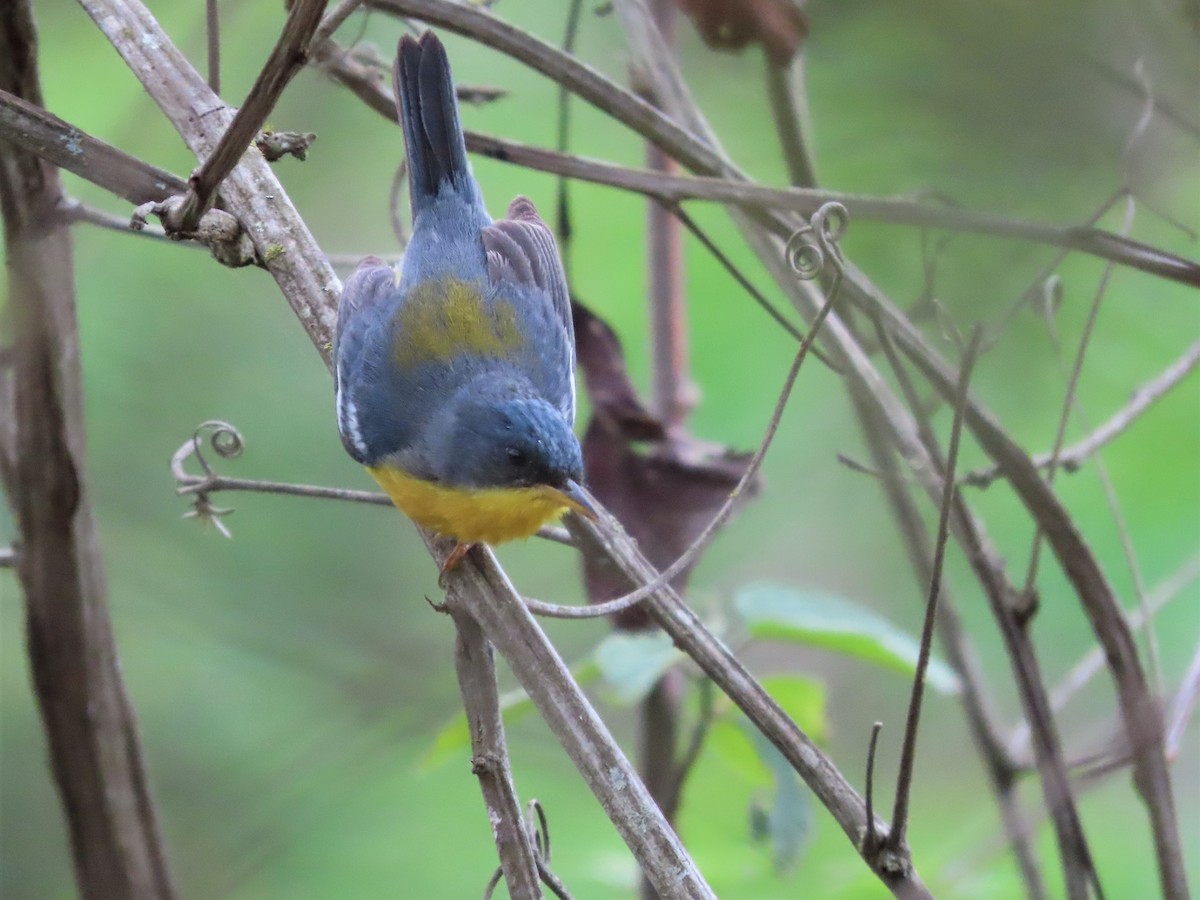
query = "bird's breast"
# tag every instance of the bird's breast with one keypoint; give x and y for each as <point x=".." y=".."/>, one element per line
<point x="487" y="515"/>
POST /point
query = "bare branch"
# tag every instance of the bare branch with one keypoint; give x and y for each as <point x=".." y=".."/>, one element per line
<point x="489" y="753"/>
<point x="288" y="57"/>
<point x="92" y="740"/>
<point x="827" y="226"/>
<point x="1092" y="662"/>
<point x="227" y="442"/>
<point x="212" y="25"/>
<point x="909" y="748"/>
<point x="1007" y="608"/>
<point x="1138" y="708"/>
<point x="28" y="126"/>
<point x="1072" y="458"/>
<point x="871" y="839"/>
<point x="1069" y="400"/>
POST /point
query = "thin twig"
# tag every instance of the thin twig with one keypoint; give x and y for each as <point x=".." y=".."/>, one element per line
<point x="212" y="483"/>
<point x="1036" y="284"/>
<point x="1072" y="458"/>
<point x="691" y="754"/>
<point x="820" y="226"/>
<point x="286" y="59"/>
<point x="1092" y="662"/>
<point x="634" y="112"/>
<point x="1006" y="607"/>
<point x="871" y="837"/>
<point x="1114" y="505"/>
<point x="1070" y="397"/>
<point x="489" y="752"/>
<point x="899" y="825"/>
<point x="73" y="211"/>
<point x="212" y="26"/>
<point x="333" y="21"/>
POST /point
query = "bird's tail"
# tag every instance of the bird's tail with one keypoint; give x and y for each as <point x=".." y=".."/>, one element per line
<point x="433" y="138"/>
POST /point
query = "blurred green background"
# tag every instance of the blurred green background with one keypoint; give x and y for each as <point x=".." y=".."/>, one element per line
<point x="289" y="681"/>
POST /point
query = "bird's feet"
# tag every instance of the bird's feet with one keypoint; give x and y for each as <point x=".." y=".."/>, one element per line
<point x="457" y="555"/>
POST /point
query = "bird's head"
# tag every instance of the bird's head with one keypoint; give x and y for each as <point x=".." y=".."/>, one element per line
<point x="514" y="440"/>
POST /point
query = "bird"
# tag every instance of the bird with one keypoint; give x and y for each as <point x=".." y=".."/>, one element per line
<point x="455" y="368"/>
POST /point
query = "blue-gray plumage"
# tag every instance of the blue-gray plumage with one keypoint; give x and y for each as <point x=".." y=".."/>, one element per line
<point x="455" y="372"/>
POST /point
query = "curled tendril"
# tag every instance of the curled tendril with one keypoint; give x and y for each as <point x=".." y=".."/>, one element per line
<point x="227" y="442"/>
<point x="811" y="248"/>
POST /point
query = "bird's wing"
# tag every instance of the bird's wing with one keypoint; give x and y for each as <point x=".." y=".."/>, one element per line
<point x="365" y="303"/>
<point x="521" y="252"/>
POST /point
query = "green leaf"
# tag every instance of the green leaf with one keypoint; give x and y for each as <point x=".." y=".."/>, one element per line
<point x="455" y="735"/>
<point x="822" y="620"/>
<point x="731" y="744"/>
<point x="789" y="820"/>
<point x="633" y="663"/>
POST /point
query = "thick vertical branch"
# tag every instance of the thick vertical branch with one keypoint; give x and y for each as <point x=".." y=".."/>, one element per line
<point x="89" y="723"/>
<point x="664" y="245"/>
<point x="658" y="714"/>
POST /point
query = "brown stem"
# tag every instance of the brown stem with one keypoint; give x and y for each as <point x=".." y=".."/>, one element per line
<point x="95" y="752"/>
<point x="1003" y="598"/>
<point x="286" y="59"/>
<point x="489" y="753"/>
<point x="909" y="748"/>
<point x="658" y="717"/>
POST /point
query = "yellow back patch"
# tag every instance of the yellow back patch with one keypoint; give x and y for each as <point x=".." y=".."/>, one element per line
<point x="440" y="320"/>
<point x="489" y="515"/>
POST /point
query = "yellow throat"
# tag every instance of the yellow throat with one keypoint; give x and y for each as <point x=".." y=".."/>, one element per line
<point x="488" y="515"/>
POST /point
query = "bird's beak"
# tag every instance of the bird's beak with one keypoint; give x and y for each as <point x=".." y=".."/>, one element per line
<point x="574" y="496"/>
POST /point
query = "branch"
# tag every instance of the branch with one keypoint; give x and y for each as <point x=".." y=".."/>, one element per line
<point x="909" y="747"/>
<point x="490" y="598"/>
<point x="789" y="103"/>
<point x="93" y="744"/>
<point x="989" y="568"/>
<point x="1092" y="662"/>
<point x="228" y="443"/>
<point x="674" y="616"/>
<point x="489" y="754"/>
<point x="309" y="285"/>
<point x="1004" y="602"/>
<point x="1072" y="458"/>
<point x="364" y="83"/>
<point x="286" y="59"/>
<point x="28" y="126"/>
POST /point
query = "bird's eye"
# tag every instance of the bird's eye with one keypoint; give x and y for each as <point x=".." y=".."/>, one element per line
<point x="517" y="456"/>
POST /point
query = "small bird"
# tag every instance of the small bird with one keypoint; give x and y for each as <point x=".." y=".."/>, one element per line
<point x="455" y="370"/>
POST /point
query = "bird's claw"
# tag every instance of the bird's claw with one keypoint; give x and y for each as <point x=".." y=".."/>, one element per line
<point x="457" y="555"/>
